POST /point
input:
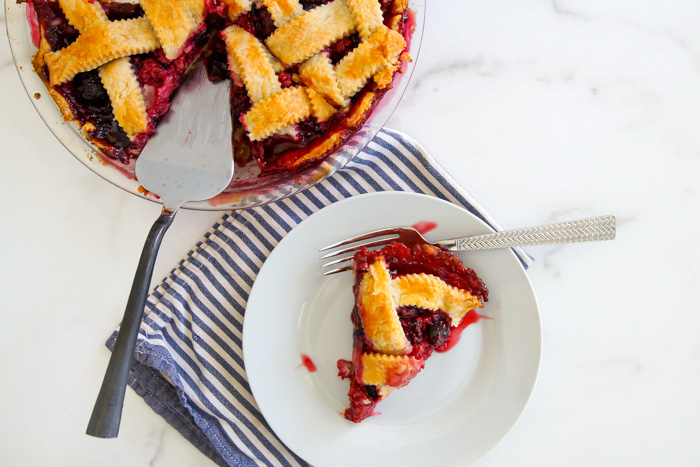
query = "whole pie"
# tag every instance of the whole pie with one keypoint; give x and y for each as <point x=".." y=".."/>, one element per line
<point x="409" y="302"/>
<point x="305" y="73"/>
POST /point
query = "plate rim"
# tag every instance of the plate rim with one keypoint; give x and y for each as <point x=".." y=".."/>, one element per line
<point x="246" y="346"/>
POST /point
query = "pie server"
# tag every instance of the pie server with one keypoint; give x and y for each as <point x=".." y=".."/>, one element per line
<point x="189" y="159"/>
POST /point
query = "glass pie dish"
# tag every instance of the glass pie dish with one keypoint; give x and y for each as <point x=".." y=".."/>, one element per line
<point x="249" y="187"/>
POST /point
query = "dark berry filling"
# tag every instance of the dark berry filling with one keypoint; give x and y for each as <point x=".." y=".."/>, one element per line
<point x="86" y="96"/>
<point x="160" y="77"/>
<point x="361" y="403"/>
<point x="426" y="330"/>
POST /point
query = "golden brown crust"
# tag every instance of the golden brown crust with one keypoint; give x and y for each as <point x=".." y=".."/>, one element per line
<point x="330" y="142"/>
<point x="367" y="15"/>
<point x="117" y="76"/>
<point x="128" y="104"/>
<point x="379" y="52"/>
<point x="432" y="293"/>
<point x="38" y="63"/>
<point x="378" y="313"/>
<point x="310" y="32"/>
<point x="250" y="59"/>
<point x="318" y="72"/>
<point x="81" y="14"/>
<point x="174" y="22"/>
<point x="100" y="44"/>
<point x="287" y="107"/>
<point x="394" y="371"/>
<point x="320" y="108"/>
<point x="360" y="109"/>
<point x="234" y="8"/>
<point x="283" y="11"/>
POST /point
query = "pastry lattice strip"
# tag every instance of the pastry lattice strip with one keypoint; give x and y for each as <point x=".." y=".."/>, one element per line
<point x="251" y="60"/>
<point x="338" y="83"/>
<point x="310" y="32"/>
<point x="99" y="44"/>
<point x="377" y="311"/>
<point x="128" y="104"/>
<point x="382" y="295"/>
<point x="117" y="76"/>
<point x="388" y="370"/>
<point x="283" y="11"/>
<point x="174" y="22"/>
<point x="432" y="293"/>
<point x="282" y="109"/>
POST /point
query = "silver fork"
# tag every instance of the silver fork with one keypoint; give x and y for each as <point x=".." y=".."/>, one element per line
<point x="582" y="230"/>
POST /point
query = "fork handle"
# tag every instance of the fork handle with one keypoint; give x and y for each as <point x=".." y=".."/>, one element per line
<point x="582" y="230"/>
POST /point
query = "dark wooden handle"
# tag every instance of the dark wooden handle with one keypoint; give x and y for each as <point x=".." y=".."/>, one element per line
<point x="107" y="413"/>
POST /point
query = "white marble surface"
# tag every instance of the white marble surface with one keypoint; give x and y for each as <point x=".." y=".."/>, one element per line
<point x="544" y="111"/>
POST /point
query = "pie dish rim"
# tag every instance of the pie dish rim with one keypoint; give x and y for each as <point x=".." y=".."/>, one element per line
<point x="280" y="186"/>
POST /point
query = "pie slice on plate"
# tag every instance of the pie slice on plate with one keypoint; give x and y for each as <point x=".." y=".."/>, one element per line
<point x="409" y="302"/>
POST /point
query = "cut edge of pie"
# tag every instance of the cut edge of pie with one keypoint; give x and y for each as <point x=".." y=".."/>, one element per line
<point x="303" y="96"/>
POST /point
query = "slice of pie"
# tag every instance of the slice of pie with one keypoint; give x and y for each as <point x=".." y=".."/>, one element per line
<point x="409" y="302"/>
<point x="305" y="74"/>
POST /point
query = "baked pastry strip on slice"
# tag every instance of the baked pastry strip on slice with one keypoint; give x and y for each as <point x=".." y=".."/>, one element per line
<point x="388" y="370"/>
<point x="432" y="293"/>
<point x="378" y="312"/>
<point x="417" y="294"/>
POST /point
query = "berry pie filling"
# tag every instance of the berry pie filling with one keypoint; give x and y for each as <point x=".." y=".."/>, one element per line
<point x="409" y="302"/>
<point x="305" y="74"/>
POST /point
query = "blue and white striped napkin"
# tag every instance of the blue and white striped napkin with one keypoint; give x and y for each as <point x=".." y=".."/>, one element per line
<point x="189" y="362"/>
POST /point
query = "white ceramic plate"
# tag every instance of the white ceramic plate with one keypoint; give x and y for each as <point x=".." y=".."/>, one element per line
<point x="453" y="413"/>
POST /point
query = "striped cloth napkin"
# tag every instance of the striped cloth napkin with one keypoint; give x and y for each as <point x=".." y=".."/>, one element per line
<point x="189" y="363"/>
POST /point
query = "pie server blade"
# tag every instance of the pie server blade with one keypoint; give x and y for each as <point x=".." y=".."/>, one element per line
<point x="189" y="159"/>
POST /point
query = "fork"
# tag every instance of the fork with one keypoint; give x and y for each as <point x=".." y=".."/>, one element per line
<point x="582" y="230"/>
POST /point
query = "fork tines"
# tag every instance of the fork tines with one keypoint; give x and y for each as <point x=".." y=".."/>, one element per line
<point x="377" y="240"/>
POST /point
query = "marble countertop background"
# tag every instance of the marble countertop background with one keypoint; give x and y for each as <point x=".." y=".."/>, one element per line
<point x="544" y="110"/>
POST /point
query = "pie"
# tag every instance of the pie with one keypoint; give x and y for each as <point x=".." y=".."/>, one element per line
<point x="305" y="74"/>
<point x="409" y="302"/>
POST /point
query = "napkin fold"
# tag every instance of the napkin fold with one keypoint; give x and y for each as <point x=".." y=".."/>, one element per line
<point x="189" y="362"/>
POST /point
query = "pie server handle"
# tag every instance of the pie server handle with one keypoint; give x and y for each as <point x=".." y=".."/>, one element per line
<point x="107" y="413"/>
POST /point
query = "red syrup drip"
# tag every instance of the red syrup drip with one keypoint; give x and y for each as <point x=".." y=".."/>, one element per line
<point x="345" y="368"/>
<point x="424" y="227"/>
<point x="33" y="22"/>
<point x="307" y="363"/>
<point x="470" y="318"/>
